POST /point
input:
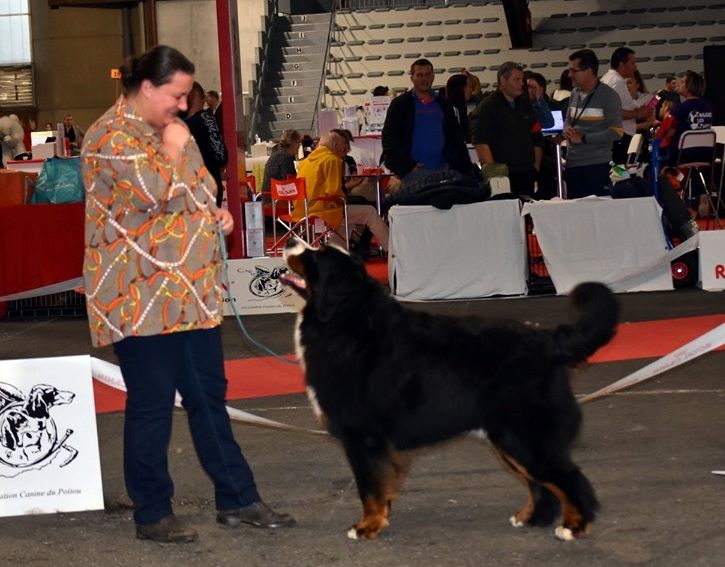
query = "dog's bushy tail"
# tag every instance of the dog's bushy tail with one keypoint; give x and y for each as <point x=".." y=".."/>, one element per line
<point x="598" y="316"/>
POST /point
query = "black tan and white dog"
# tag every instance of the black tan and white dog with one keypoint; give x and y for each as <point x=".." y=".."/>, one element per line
<point x="384" y="379"/>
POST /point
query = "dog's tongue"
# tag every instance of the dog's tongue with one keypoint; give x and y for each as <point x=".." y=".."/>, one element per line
<point x="293" y="280"/>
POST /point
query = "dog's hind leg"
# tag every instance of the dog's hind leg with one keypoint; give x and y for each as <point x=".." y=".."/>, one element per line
<point x="578" y="501"/>
<point x="542" y="506"/>
<point x="369" y="458"/>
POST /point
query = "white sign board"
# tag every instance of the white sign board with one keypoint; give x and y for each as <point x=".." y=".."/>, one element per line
<point x="255" y="288"/>
<point x="49" y="460"/>
<point x="712" y="259"/>
<point x="376" y="109"/>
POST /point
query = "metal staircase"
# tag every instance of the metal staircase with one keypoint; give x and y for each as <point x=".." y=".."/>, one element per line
<point x="294" y="74"/>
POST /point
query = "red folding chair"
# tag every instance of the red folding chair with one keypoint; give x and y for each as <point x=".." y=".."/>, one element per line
<point x="285" y="193"/>
<point x="311" y="228"/>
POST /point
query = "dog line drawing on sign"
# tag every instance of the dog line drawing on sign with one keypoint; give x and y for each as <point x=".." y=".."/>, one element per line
<point x="29" y="437"/>
<point x="265" y="283"/>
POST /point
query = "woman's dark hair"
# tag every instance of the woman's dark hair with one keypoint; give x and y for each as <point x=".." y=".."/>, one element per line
<point x="287" y="138"/>
<point x="637" y="77"/>
<point x="565" y="83"/>
<point x="156" y="65"/>
<point x="694" y="83"/>
<point x="455" y="94"/>
<point x="456" y="89"/>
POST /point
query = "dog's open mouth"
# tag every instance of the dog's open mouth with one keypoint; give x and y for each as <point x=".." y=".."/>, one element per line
<point x="295" y="282"/>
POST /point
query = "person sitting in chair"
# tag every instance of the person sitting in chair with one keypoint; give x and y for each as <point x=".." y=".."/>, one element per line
<point x="691" y="114"/>
<point x="323" y="173"/>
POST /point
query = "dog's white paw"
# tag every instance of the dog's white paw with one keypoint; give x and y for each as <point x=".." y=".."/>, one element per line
<point x="564" y="534"/>
<point x="516" y="523"/>
<point x="352" y="533"/>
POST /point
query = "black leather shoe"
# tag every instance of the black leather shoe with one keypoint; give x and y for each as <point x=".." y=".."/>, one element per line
<point x="258" y="514"/>
<point x="167" y="530"/>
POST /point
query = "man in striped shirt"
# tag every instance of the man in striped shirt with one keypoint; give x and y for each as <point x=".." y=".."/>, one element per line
<point x="593" y="123"/>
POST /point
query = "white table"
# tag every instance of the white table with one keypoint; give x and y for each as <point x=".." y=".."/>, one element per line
<point x="619" y="242"/>
<point x="469" y="251"/>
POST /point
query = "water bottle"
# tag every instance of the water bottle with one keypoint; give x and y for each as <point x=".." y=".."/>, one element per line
<point x="618" y="170"/>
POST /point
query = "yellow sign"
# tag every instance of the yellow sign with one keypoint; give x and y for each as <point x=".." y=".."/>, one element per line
<point x="115" y="73"/>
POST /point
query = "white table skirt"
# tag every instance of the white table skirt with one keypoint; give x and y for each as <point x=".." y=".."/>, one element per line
<point x="619" y="242"/>
<point x="469" y="251"/>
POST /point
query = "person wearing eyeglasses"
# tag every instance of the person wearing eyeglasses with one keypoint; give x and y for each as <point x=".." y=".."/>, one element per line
<point x="593" y="123"/>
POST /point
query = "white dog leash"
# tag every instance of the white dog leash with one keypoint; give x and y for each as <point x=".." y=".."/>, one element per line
<point x="110" y="375"/>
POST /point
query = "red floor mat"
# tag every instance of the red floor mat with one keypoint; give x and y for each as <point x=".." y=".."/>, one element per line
<point x="652" y="339"/>
<point x="266" y="376"/>
<point x="378" y="269"/>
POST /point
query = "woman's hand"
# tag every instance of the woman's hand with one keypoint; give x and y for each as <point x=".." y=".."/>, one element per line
<point x="226" y="221"/>
<point x="173" y="138"/>
<point x="176" y="133"/>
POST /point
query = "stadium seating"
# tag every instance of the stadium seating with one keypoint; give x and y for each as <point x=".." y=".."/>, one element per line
<point x="377" y="46"/>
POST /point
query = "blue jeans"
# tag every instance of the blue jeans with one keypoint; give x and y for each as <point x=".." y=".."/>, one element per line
<point x="587" y="180"/>
<point x="416" y="175"/>
<point x="153" y="369"/>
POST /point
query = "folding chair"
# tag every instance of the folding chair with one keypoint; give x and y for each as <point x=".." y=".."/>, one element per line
<point x="311" y="228"/>
<point x="285" y="193"/>
<point x="705" y="141"/>
<point x="720" y="141"/>
<point x="633" y="151"/>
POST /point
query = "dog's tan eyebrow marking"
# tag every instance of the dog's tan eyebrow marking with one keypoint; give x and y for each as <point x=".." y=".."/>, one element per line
<point x="295" y="264"/>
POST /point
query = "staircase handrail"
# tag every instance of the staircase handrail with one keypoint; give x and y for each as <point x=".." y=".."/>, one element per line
<point x="252" y="129"/>
<point x="335" y="6"/>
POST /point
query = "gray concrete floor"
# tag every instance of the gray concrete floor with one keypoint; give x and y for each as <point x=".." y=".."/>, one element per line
<point x="648" y="452"/>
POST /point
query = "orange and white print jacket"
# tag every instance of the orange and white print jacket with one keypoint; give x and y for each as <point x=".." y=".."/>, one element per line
<point x="152" y="261"/>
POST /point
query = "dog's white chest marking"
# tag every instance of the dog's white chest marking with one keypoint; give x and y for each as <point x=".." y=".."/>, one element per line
<point x="312" y="396"/>
<point x="300" y="350"/>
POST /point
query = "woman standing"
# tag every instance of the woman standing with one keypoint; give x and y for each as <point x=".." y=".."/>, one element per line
<point x="640" y="95"/>
<point x="151" y="271"/>
<point x="458" y="92"/>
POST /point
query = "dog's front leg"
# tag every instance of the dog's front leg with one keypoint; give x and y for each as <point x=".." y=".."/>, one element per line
<point x="374" y="520"/>
<point x="400" y="466"/>
<point x="370" y="464"/>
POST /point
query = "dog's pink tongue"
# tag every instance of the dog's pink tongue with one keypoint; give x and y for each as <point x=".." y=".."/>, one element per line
<point x="293" y="280"/>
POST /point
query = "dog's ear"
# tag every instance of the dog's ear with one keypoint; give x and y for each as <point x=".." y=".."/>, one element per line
<point x="37" y="405"/>
<point x="35" y="399"/>
<point x="334" y="295"/>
